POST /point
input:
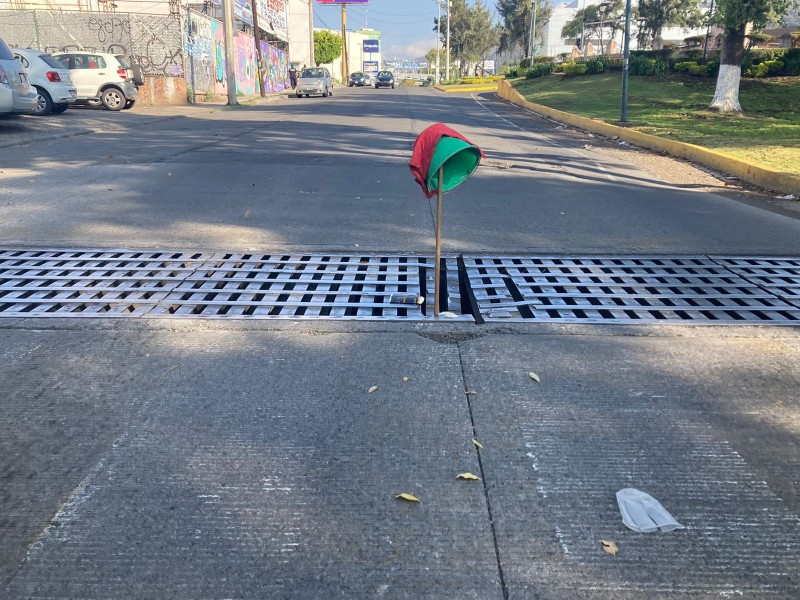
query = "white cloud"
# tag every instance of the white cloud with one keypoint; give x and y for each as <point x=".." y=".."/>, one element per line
<point x="412" y="50"/>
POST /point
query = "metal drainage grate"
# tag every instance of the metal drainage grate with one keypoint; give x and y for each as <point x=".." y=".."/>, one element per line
<point x="781" y="276"/>
<point x="91" y="283"/>
<point x="620" y="289"/>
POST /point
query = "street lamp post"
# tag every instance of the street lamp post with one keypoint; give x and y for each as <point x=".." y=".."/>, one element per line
<point x="534" y="6"/>
<point x="438" y="38"/>
<point x="626" y="56"/>
<point x="447" y="58"/>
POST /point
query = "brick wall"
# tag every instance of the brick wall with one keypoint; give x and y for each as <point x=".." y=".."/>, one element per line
<point x="159" y="89"/>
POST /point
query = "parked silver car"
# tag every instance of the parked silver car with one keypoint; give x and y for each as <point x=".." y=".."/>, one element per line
<point x="314" y="80"/>
<point x="17" y="97"/>
<point x="54" y="88"/>
<point x="102" y="78"/>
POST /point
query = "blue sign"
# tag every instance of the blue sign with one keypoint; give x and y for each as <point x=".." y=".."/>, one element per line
<point x="372" y="46"/>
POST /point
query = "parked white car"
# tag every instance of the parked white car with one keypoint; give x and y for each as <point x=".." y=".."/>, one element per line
<point x="314" y="80"/>
<point x="54" y="88"/>
<point x="101" y="78"/>
<point x="17" y="97"/>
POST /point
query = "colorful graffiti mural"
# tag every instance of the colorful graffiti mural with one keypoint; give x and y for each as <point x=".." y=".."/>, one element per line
<point x="204" y="51"/>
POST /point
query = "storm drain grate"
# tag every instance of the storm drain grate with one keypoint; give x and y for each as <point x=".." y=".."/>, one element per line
<point x="91" y="283"/>
<point x="620" y="289"/>
<point x="780" y="276"/>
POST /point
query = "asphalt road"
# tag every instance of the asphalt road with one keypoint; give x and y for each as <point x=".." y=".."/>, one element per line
<point x="249" y="459"/>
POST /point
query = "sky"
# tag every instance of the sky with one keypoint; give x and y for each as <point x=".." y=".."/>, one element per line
<point x="406" y="25"/>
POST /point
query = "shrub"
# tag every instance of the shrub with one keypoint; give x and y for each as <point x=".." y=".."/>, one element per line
<point x="649" y="67"/>
<point x="792" y="61"/>
<point x="538" y="70"/>
<point x="525" y="63"/>
<point x="685" y="67"/>
<point x="488" y="79"/>
<point x="512" y="70"/>
<point x="760" y="70"/>
<point x="573" y="69"/>
<point x="774" y="66"/>
<point x="699" y="70"/>
<point x="597" y="64"/>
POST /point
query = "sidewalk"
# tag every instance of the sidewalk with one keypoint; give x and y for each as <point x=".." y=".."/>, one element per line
<point x="191" y="460"/>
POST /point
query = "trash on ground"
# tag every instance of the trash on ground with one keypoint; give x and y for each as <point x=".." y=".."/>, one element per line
<point x="372" y="389"/>
<point x="609" y="547"/>
<point x="643" y="513"/>
<point x="786" y="197"/>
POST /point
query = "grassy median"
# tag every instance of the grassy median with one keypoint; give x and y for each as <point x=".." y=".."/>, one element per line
<point x="767" y="133"/>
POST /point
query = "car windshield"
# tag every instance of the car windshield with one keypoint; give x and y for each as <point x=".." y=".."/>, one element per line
<point x="312" y="73"/>
<point x="51" y="62"/>
<point x="384" y="74"/>
<point x="357" y="75"/>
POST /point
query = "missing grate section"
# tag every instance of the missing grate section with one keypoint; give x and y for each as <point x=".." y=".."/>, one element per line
<point x="692" y="289"/>
<point x="779" y="276"/>
<point x="92" y="283"/>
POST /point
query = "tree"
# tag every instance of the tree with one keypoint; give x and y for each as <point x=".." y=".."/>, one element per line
<point x="515" y="32"/>
<point x="472" y="33"/>
<point x="327" y="47"/>
<point x="734" y="16"/>
<point x="657" y="14"/>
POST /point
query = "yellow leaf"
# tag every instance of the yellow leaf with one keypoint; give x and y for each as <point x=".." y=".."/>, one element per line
<point x="405" y="379"/>
<point x="477" y="443"/>
<point x="534" y="376"/>
<point x="468" y="477"/>
<point x="609" y="547"/>
<point x="372" y="389"/>
<point x="470" y="392"/>
<point x="407" y="497"/>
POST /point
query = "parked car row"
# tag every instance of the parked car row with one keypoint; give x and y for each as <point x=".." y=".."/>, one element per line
<point x="34" y="82"/>
<point x="382" y="79"/>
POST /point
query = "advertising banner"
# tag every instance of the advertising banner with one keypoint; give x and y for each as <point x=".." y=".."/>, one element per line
<point x="370" y="66"/>
<point x="372" y="46"/>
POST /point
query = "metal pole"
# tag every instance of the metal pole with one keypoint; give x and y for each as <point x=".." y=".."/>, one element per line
<point x="438" y="265"/>
<point x="311" y="32"/>
<point x="447" y="58"/>
<point x="259" y="60"/>
<point x="344" y="44"/>
<point x="230" y="52"/>
<point x="625" y="62"/>
<point x="533" y="29"/>
<point x="438" y="40"/>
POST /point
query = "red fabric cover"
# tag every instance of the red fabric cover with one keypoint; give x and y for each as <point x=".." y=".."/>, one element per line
<point x="423" y="153"/>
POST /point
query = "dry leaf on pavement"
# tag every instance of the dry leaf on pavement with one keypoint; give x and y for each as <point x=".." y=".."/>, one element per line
<point x="609" y="547"/>
<point x="407" y="497"/>
<point x="534" y="376"/>
<point x="477" y="443"/>
<point x="405" y="379"/>
<point x="468" y="477"/>
<point x="372" y="389"/>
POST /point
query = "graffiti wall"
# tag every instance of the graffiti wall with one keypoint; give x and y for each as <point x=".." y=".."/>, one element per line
<point x="152" y="40"/>
<point x="204" y="49"/>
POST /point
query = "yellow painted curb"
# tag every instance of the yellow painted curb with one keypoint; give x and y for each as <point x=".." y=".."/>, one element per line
<point x="489" y="87"/>
<point x="771" y="179"/>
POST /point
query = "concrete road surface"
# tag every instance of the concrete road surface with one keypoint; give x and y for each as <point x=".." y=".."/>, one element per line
<point x="257" y="459"/>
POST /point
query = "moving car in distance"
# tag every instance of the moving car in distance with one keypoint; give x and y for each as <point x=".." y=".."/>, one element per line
<point x="54" y="88"/>
<point x="17" y="96"/>
<point x="384" y="79"/>
<point x="314" y="80"/>
<point x="101" y="78"/>
<point x="360" y="79"/>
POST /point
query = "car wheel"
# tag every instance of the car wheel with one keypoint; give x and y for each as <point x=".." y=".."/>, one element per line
<point x="60" y="108"/>
<point x="330" y="92"/>
<point x="129" y="105"/>
<point x="325" y="93"/>
<point x="113" y="99"/>
<point x="44" y="104"/>
<point x="392" y="86"/>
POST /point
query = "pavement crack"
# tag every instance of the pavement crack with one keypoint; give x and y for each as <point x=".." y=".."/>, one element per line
<point x="468" y="397"/>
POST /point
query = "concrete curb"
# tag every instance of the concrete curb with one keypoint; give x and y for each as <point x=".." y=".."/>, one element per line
<point x="489" y="87"/>
<point x="761" y="176"/>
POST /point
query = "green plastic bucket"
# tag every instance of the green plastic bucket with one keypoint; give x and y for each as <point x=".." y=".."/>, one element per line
<point x="458" y="159"/>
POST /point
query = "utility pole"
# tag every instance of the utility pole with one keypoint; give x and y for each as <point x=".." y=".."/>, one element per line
<point x="344" y="44"/>
<point x="229" y="25"/>
<point x="438" y="38"/>
<point x="259" y="60"/>
<point x="447" y="58"/>
<point x="626" y="58"/>
<point x="533" y="28"/>
<point x="311" y="33"/>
